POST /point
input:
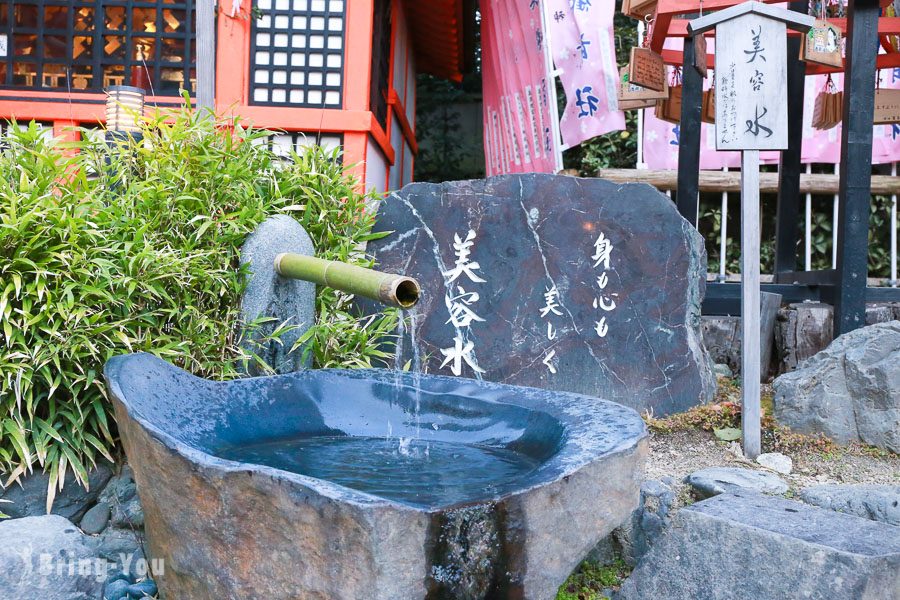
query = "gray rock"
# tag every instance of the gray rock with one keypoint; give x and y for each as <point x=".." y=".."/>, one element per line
<point x="131" y="567"/>
<point x="121" y="487"/>
<point x="647" y="522"/>
<point x="316" y="537"/>
<point x="776" y="461"/>
<point x="723" y="370"/>
<point x="130" y="514"/>
<point x="116" y="590"/>
<point x="269" y="295"/>
<point x="142" y="589"/>
<point x="95" y="520"/>
<point x="605" y="552"/>
<point x="121" y="495"/>
<point x="748" y="546"/>
<point x="30" y="498"/>
<point x="850" y="391"/>
<point x="875" y="502"/>
<point x="48" y="558"/>
<point x="116" y="545"/>
<point x="531" y="252"/>
<point x="720" y="480"/>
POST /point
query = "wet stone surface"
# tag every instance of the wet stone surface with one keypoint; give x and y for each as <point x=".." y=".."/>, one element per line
<point x="563" y="470"/>
<point x="556" y="282"/>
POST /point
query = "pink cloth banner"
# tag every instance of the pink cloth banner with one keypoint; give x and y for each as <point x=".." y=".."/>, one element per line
<point x="517" y="113"/>
<point x="661" y="138"/>
<point x="581" y="39"/>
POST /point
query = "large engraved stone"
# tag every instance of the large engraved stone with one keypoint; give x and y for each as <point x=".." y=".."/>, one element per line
<point x="556" y="282"/>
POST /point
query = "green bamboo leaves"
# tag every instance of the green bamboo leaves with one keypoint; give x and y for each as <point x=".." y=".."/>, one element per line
<point x="135" y="248"/>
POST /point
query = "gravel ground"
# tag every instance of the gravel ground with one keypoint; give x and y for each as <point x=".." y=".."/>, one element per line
<point x="680" y="453"/>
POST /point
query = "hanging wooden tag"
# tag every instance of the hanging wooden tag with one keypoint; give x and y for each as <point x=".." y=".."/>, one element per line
<point x="827" y="110"/>
<point x="647" y="69"/>
<point x="708" y="108"/>
<point x="818" y="117"/>
<point x="837" y="108"/>
<point x="700" y="54"/>
<point x="822" y="45"/>
<point x="629" y="92"/>
<point x="673" y="105"/>
<point x="636" y="104"/>
<point x="659" y="111"/>
<point x="887" y="107"/>
<point x="670" y="109"/>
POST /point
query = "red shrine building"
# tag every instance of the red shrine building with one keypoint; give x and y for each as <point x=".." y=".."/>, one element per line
<point x="339" y="71"/>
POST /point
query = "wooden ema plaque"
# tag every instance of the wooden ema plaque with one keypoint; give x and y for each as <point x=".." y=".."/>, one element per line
<point x="628" y="91"/>
<point x="822" y="45"/>
<point x="887" y="107"/>
<point x="647" y="69"/>
<point x="670" y="109"/>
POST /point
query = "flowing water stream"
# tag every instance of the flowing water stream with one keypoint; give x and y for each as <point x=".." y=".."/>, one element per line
<point x="405" y="447"/>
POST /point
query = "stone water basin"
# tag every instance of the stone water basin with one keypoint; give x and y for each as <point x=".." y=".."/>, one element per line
<point x="370" y="484"/>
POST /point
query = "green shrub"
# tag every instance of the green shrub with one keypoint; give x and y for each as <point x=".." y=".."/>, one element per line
<point x="144" y="257"/>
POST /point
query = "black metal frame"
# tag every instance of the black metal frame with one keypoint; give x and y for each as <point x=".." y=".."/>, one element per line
<point x="282" y="22"/>
<point x="844" y="286"/>
<point x="381" y="61"/>
<point x="95" y="59"/>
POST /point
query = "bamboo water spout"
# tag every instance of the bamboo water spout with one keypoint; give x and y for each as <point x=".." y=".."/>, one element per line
<point x="388" y="288"/>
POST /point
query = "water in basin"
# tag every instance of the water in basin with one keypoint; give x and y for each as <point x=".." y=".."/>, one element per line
<point x="415" y="472"/>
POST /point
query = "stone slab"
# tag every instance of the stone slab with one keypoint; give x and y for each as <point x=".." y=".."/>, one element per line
<point x="555" y="282"/>
<point x="875" y="502"/>
<point x="48" y="558"/>
<point x="719" y="480"/>
<point x="747" y="546"/>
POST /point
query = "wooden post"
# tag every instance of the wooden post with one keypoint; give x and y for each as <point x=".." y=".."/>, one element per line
<point x="856" y="166"/>
<point x="751" y="115"/>
<point x="206" y="54"/>
<point x="750" y="350"/>
<point x="688" y="194"/>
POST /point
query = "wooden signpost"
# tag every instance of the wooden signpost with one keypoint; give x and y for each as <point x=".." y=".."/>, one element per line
<point x="751" y="115"/>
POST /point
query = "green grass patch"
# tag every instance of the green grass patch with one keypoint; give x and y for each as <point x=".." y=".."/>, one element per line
<point x="590" y="579"/>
